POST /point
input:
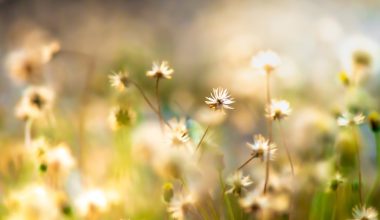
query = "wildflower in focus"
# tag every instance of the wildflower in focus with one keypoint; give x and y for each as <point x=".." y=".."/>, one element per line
<point x="278" y="110"/>
<point x="348" y="118"/>
<point x="120" y="80"/>
<point x="178" y="135"/>
<point x="238" y="183"/>
<point x="160" y="70"/>
<point x="36" y="101"/>
<point x="180" y="205"/>
<point x="364" y="213"/>
<point x="266" y="61"/>
<point x="261" y="147"/>
<point x="120" y="117"/>
<point x="219" y="100"/>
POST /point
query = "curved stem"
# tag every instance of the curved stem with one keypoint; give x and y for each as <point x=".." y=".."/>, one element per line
<point x="359" y="163"/>
<point x="202" y="138"/>
<point x="246" y="162"/>
<point x="148" y="102"/>
<point x="269" y="128"/>
<point x="286" y="147"/>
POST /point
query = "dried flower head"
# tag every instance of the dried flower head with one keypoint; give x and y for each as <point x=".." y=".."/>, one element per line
<point x="219" y="100"/>
<point x="261" y="146"/>
<point x="347" y="119"/>
<point x="364" y="213"/>
<point x="120" y="117"/>
<point x="119" y="80"/>
<point x="181" y="205"/>
<point x="178" y="134"/>
<point x="238" y="183"/>
<point x="36" y="101"/>
<point x="278" y="110"/>
<point x="266" y="61"/>
<point x="160" y="70"/>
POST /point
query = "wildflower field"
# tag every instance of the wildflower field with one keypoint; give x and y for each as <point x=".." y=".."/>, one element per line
<point x="189" y="110"/>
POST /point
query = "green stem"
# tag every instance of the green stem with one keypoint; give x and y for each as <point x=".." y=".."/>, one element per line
<point x="356" y="142"/>
<point x="225" y="196"/>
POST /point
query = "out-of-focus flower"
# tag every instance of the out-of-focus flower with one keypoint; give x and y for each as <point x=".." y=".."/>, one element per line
<point x="119" y="80"/>
<point x="254" y="201"/>
<point x="178" y="134"/>
<point x="238" y="183"/>
<point x="59" y="160"/>
<point x="348" y="118"/>
<point x="335" y="182"/>
<point x="120" y="117"/>
<point x="261" y="146"/>
<point x="360" y="55"/>
<point x="27" y="64"/>
<point x="266" y="61"/>
<point x="278" y="110"/>
<point x="33" y="202"/>
<point x="364" y="213"/>
<point x="344" y="78"/>
<point x="167" y="192"/>
<point x="160" y="70"/>
<point x="93" y="202"/>
<point x="56" y="161"/>
<point x="36" y="101"/>
<point x="374" y="121"/>
<point x="219" y="100"/>
<point x="181" y="205"/>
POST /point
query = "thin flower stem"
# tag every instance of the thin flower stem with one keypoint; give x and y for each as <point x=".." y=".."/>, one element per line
<point x="359" y="163"/>
<point x="158" y="102"/>
<point x="202" y="138"/>
<point x="247" y="162"/>
<point x="149" y="102"/>
<point x="269" y="127"/>
<point x="28" y="132"/>
<point x="286" y="147"/>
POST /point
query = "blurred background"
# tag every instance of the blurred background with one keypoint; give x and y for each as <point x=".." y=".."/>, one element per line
<point x="208" y="44"/>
